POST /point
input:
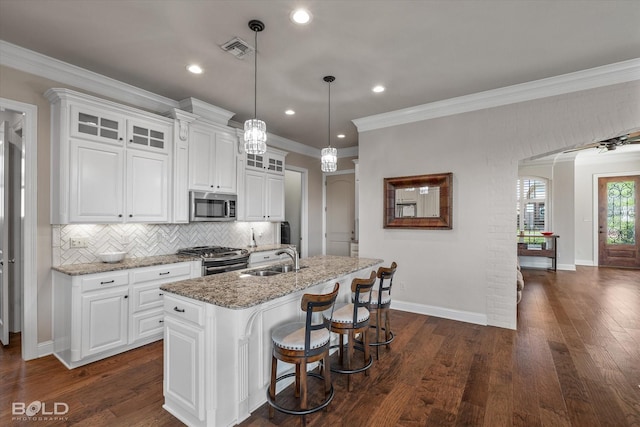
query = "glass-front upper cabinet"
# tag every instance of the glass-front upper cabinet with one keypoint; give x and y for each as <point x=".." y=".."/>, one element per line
<point x="148" y="135"/>
<point x="96" y="125"/>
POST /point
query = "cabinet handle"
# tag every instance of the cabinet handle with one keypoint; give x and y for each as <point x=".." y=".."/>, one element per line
<point x="160" y="321"/>
<point x="160" y="294"/>
<point x="179" y="310"/>
<point x="164" y="274"/>
<point x="106" y="283"/>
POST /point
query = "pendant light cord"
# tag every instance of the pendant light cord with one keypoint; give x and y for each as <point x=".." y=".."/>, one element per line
<point x="329" y="126"/>
<point x="255" y="79"/>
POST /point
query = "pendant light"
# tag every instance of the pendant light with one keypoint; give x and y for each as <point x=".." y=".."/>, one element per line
<point x="255" y="131"/>
<point x="329" y="159"/>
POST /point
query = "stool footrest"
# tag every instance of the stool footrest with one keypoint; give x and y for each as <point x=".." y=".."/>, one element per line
<point x="373" y="344"/>
<point x="308" y="411"/>
<point x="355" y="370"/>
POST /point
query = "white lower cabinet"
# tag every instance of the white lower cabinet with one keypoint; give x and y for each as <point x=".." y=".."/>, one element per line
<point x="104" y="319"/>
<point x="184" y="360"/>
<point x="99" y="315"/>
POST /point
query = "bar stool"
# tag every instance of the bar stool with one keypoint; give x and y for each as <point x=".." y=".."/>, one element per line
<point x="351" y="319"/>
<point x="302" y="343"/>
<point x="380" y="303"/>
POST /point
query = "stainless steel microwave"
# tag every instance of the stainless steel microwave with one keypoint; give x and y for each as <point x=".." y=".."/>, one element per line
<point x="212" y="206"/>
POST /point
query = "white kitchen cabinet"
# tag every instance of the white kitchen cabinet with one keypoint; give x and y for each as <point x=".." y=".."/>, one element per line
<point x="212" y="159"/>
<point x="96" y="182"/>
<point x="263" y="192"/>
<point x="104" y="319"/>
<point x="184" y="356"/>
<point x="100" y="193"/>
<point x="271" y="161"/>
<point x="99" y="315"/>
<point x="147" y="187"/>
<point x="112" y="162"/>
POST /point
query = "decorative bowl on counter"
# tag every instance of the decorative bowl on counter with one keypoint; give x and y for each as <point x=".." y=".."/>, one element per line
<point x="547" y="233"/>
<point x="112" y="257"/>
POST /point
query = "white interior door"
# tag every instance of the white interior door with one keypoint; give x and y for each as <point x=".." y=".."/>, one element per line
<point x="4" y="241"/>
<point x="340" y="213"/>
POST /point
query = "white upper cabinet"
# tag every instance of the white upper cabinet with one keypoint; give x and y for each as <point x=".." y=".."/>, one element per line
<point x="111" y="163"/>
<point x="212" y="160"/>
<point x="263" y="191"/>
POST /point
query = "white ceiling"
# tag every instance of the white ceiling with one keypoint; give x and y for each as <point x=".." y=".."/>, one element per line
<point x="422" y="51"/>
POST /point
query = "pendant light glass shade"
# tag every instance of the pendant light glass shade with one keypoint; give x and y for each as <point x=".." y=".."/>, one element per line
<point x="329" y="155"/>
<point x="329" y="159"/>
<point x="255" y="136"/>
<point x="255" y="130"/>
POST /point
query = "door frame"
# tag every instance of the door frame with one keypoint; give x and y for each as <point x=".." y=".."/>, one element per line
<point x="304" y="208"/>
<point x="594" y="236"/>
<point x="324" y="203"/>
<point x="29" y="232"/>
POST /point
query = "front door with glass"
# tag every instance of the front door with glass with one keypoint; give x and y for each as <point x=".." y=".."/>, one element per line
<point x="618" y="229"/>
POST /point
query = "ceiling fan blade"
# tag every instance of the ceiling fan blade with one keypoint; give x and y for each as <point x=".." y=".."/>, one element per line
<point x="584" y="147"/>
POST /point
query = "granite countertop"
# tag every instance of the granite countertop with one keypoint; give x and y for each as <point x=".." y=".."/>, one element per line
<point x="103" y="267"/>
<point x="238" y="290"/>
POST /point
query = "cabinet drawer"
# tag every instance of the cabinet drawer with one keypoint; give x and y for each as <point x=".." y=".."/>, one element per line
<point x="181" y="308"/>
<point x="101" y="281"/>
<point x="147" y="324"/>
<point x="162" y="272"/>
<point x="144" y="297"/>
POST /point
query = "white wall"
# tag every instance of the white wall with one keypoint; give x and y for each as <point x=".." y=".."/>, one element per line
<point x="610" y="164"/>
<point x="468" y="273"/>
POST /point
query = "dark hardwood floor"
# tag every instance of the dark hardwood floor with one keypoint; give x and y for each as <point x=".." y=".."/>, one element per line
<point x="574" y="361"/>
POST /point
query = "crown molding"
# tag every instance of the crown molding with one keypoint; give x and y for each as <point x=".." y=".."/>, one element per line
<point x="620" y="72"/>
<point x="50" y="68"/>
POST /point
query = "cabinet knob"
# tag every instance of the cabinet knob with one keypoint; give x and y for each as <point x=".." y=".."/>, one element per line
<point x="120" y="139"/>
<point x="160" y="321"/>
<point x="130" y="216"/>
<point x="120" y="216"/>
<point x="160" y="294"/>
<point x="126" y="296"/>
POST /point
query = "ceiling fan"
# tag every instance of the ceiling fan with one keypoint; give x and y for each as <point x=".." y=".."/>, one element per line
<point x="612" y="143"/>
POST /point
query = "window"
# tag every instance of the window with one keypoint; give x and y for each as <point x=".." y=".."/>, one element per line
<point x="532" y="204"/>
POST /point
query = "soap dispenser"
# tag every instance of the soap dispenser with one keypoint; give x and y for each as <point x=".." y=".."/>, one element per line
<point x="252" y="242"/>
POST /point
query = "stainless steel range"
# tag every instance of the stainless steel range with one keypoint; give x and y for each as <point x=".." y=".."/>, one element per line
<point x="218" y="259"/>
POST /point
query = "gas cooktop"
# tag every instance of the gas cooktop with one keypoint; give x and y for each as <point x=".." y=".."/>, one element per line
<point x="214" y="252"/>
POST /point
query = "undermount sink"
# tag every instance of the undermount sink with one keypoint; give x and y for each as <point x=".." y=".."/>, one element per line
<point x="272" y="270"/>
<point x="263" y="272"/>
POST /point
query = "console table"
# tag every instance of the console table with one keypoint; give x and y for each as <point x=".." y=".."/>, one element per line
<point x="528" y="246"/>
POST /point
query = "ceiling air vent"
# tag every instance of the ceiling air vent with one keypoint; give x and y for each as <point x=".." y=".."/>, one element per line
<point x="237" y="47"/>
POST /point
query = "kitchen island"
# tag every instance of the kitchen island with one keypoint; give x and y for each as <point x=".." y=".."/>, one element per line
<point x="217" y="334"/>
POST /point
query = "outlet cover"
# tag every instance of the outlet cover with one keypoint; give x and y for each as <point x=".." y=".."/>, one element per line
<point x="79" y="242"/>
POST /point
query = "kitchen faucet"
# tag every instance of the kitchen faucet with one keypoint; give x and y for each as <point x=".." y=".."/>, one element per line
<point x="293" y="253"/>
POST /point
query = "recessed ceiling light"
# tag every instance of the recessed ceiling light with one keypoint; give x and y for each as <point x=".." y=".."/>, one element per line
<point x="378" y="89"/>
<point x="341" y="135"/>
<point x="195" y="69"/>
<point x="289" y="112"/>
<point x="301" y="16"/>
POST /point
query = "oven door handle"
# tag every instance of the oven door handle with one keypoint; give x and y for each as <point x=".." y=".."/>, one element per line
<point x="224" y="267"/>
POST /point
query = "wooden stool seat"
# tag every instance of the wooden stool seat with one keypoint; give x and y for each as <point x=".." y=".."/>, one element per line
<point x="301" y="343"/>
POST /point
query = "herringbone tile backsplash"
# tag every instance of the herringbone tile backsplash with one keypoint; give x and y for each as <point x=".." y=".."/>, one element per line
<point x="140" y="240"/>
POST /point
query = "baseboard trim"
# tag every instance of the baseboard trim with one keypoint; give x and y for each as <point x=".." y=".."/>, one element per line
<point x="45" y="348"/>
<point x="586" y="262"/>
<point x="446" y="313"/>
<point x="566" y="267"/>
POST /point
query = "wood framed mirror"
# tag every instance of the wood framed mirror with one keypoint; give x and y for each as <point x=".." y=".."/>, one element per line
<point x="421" y="201"/>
